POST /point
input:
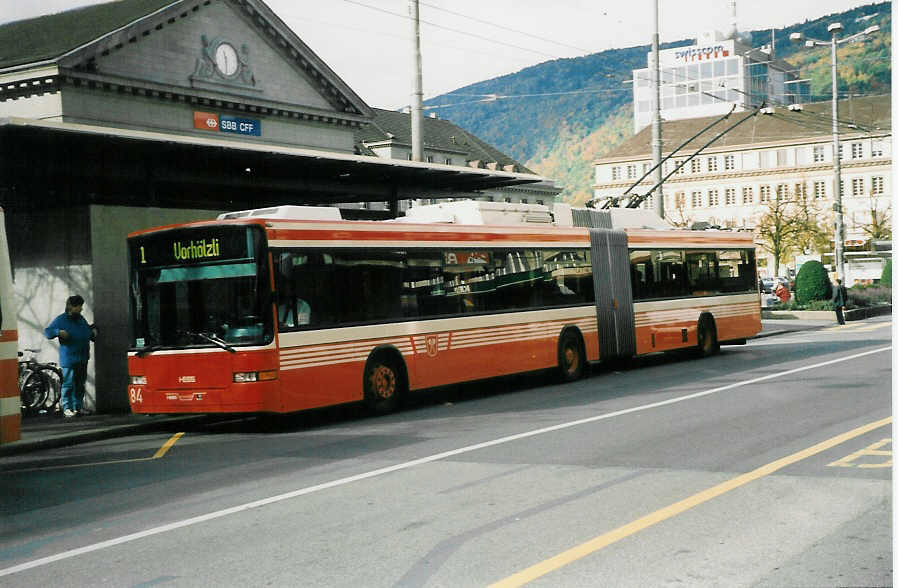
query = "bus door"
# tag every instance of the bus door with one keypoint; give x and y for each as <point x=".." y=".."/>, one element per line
<point x="10" y="403"/>
<point x="614" y="295"/>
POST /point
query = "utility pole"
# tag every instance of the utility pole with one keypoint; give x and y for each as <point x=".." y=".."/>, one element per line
<point x="418" y="91"/>
<point x="835" y="29"/>
<point x="656" y="118"/>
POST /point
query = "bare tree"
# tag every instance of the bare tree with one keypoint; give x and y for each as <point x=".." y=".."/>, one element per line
<point x="779" y="228"/>
<point x="880" y="226"/>
<point x="813" y="227"/>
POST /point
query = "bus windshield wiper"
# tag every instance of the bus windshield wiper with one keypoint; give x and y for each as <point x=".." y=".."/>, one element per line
<point x="212" y="339"/>
<point x="149" y="349"/>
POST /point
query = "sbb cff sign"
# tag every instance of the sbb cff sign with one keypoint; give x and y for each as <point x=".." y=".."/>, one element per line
<point x="209" y="121"/>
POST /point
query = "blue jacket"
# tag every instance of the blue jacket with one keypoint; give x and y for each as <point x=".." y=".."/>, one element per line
<point x="75" y="349"/>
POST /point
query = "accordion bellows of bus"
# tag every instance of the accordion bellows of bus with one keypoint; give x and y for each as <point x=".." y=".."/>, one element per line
<point x="292" y="308"/>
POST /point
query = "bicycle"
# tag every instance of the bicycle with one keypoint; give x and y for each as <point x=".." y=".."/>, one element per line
<point x="40" y="384"/>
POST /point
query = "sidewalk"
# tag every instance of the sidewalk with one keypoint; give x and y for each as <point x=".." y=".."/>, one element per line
<point x="51" y="431"/>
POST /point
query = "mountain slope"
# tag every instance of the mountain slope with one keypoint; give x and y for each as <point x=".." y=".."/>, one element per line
<point x="559" y="116"/>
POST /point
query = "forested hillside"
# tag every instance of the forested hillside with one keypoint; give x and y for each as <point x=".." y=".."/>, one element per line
<point x="559" y="116"/>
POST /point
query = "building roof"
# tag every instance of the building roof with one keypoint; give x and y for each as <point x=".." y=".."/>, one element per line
<point x="868" y="115"/>
<point x="53" y="35"/>
<point x="439" y="134"/>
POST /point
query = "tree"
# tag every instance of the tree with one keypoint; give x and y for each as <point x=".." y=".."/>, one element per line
<point x="886" y="279"/>
<point x="880" y="226"/>
<point x="778" y="229"/>
<point x="814" y="228"/>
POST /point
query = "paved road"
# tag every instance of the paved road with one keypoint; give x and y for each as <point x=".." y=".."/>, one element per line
<point x="768" y="465"/>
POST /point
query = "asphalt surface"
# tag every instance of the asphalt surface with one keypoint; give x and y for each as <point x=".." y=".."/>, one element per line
<point x="48" y="431"/>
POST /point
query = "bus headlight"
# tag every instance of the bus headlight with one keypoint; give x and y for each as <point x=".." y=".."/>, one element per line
<point x="243" y="377"/>
<point x="138" y="380"/>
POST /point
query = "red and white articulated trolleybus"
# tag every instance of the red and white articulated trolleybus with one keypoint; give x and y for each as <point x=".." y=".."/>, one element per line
<point x="291" y="308"/>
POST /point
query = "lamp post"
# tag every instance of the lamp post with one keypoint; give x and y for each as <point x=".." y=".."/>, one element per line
<point x="834" y="30"/>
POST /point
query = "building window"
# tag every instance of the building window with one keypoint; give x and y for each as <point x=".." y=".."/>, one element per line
<point x="877" y="149"/>
<point x="857" y="150"/>
<point x="841" y="187"/>
<point x="800" y="191"/>
<point x="729" y="162"/>
<point x="681" y="169"/>
<point x="631" y="171"/>
<point x="645" y="167"/>
<point x="696" y="199"/>
<point x="615" y="172"/>
<point x="507" y="199"/>
<point x="713" y="198"/>
<point x="782" y="157"/>
<point x="730" y="196"/>
<point x="524" y="201"/>
<point x="430" y="159"/>
<point x="541" y="202"/>
<point x="680" y="199"/>
<point x="819" y="189"/>
<point x="877" y="185"/>
<point x="841" y="151"/>
<point x="748" y="195"/>
<point x="818" y="153"/>
<point x="782" y="191"/>
<point x="448" y="161"/>
<point x="857" y="186"/>
<point x="409" y="156"/>
<point x="695" y="166"/>
<point x="712" y="164"/>
<point x="765" y="194"/>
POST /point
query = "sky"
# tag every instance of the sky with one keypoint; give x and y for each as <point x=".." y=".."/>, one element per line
<point x="368" y="42"/>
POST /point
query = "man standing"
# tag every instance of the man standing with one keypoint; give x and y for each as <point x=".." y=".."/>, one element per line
<point x="74" y="336"/>
<point x="840" y="299"/>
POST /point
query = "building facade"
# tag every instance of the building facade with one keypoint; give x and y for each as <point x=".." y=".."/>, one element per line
<point x="786" y="154"/>
<point x="711" y="77"/>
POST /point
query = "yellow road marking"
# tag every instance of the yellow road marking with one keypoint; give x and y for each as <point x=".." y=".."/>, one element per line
<point x="161" y="452"/>
<point x="606" y="539"/>
<point x="848" y="460"/>
<point x="164" y="449"/>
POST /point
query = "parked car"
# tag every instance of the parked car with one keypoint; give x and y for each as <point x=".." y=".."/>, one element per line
<point x="767" y="285"/>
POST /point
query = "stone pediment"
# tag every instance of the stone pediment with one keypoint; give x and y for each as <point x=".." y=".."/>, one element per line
<point x="233" y="52"/>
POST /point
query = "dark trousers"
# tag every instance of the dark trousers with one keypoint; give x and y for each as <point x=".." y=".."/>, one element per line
<point x="839" y="316"/>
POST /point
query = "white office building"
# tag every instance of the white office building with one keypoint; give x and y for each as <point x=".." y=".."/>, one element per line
<point x="711" y="77"/>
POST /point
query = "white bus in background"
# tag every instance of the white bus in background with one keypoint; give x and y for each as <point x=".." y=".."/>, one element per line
<point x="10" y="403"/>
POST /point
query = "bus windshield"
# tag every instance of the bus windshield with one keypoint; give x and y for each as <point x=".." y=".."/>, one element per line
<point x="199" y="287"/>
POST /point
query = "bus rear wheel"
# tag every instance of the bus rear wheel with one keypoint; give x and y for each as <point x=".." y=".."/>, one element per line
<point x="382" y="385"/>
<point x="707" y="337"/>
<point x="571" y="357"/>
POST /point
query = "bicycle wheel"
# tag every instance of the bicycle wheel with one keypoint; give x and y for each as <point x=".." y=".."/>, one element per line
<point x="34" y="388"/>
<point x="53" y="376"/>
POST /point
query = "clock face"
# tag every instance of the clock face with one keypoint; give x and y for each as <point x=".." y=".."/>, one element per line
<point x="226" y="59"/>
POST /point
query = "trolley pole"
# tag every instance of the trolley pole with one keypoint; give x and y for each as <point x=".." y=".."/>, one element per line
<point x="656" y="118"/>
<point x="837" y="164"/>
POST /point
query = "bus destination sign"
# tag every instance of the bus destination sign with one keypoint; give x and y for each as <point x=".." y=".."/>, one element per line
<point x="191" y="247"/>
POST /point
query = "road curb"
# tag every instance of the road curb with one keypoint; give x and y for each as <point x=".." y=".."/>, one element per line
<point x="88" y="436"/>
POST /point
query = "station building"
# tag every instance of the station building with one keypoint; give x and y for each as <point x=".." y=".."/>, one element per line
<point x="139" y="113"/>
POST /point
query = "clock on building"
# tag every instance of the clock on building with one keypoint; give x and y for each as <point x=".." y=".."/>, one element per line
<point x="226" y="59"/>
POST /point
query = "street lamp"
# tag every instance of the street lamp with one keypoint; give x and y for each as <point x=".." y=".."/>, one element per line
<point x="834" y="29"/>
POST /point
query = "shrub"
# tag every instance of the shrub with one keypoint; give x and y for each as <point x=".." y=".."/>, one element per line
<point x="870" y="296"/>
<point x="886" y="279"/>
<point x="812" y="283"/>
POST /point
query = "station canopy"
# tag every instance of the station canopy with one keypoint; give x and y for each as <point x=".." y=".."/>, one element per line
<point x="43" y="162"/>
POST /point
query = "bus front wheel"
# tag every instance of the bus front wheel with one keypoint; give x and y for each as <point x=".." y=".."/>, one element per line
<point x="571" y="357"/>
<point x="383" y="385"/>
